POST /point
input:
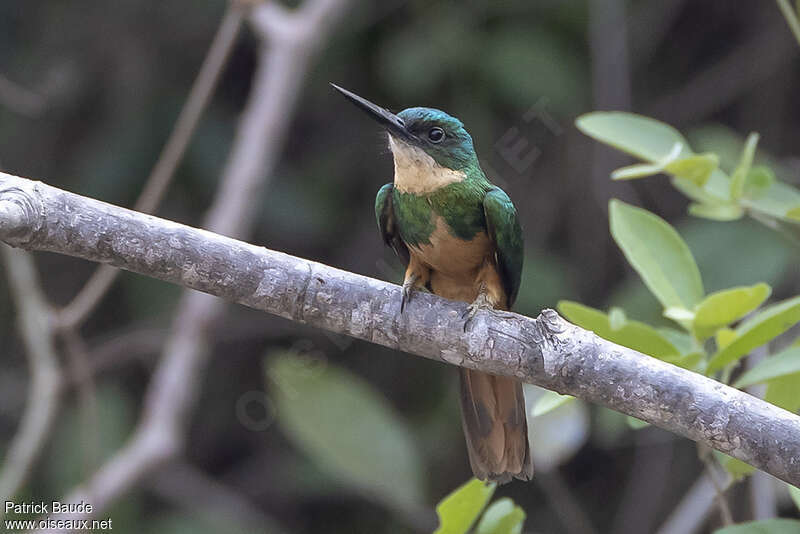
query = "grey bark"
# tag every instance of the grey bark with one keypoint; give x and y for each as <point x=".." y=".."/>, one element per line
<point x="546" y="351"/>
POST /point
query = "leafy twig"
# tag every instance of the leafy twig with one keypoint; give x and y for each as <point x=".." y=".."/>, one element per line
<point x="693" y="509"/>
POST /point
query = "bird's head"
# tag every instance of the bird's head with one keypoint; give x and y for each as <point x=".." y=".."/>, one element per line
<point x="422" y="136"/>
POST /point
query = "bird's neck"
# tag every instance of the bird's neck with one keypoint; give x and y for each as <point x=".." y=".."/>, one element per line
<point x="417" y="172"/>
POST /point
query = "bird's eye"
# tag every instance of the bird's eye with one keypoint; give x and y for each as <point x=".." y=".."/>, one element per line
<point x="436" y="134"/>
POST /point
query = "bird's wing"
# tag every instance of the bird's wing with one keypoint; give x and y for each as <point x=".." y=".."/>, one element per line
<point x="505" y="233"/>
<point x="387" y="223"/>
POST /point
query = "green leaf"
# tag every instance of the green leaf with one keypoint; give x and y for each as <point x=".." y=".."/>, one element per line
<point x="696" y="169"/>
<point x="80" y="445"/>
<point x="633" y="334"/>
<point x="716" y="212"/>
<point x="780" y="201"/>
<point x="766" y="526"/>
<point x="782" y="392"/>
<point x="548" y="402"/>
<point x="697" y="193"/>
<point x="692" y="168"/>
<point x="635" y="423"/>
<point x="616" y="318"/>
<point x="502" y="517"/>
<point x="727" y="143"/>
<point x="759" y="179"/>
<point x="739" y="176"/>
<point x="640" y="170"/>
<point x="784" y="363"/>
<point x="458" y="511"/>
<point x="679" y="314"/>
<point x="680" y="339"/>
<point x="794" y="493"/>
<point x="346" y="427"/>
<point x="651" y="141"/>
<point x="658" y="254"/>
<point x="768" y="324"/>
<point x="737" y="468"/>
<point x="724" y="337"/>
<point x="639" y="136"/>
<point x="205" y="520"/>
<point x="724" y="307"/>
<point x="691" y="361"/>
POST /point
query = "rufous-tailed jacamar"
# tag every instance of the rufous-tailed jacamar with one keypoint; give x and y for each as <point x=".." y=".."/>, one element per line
<point x="461" y="239"/>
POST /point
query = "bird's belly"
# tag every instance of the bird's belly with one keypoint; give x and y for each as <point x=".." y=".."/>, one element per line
<point x="451" y="255"/>
<point x="455" y="263"/>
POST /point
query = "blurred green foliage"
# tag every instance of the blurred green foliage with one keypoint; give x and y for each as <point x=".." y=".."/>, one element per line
<point x="347" y="428"/>
<point x="766" y="526"/>
<point x="459" y="511"/>
<point x="666" y="265"/>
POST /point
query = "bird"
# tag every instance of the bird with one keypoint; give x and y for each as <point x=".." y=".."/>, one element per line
<point x="460" y="238"/>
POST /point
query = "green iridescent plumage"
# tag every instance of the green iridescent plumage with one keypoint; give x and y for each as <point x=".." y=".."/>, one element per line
<point x="505" y="233"/>
<point x="461" y="240"/>
<point x="468" y="207"/>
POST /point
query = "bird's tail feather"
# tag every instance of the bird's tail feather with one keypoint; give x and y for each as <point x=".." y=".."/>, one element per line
<point x="495" y="426"/>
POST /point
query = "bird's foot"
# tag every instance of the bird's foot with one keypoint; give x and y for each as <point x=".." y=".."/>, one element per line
<point x="481" y="302"/>
<point x="408" y="290"/>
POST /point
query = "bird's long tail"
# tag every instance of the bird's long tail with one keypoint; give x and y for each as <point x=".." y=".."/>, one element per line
<point x="495" y="426"/>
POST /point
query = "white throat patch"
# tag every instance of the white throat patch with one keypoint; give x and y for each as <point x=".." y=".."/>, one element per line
<point x="417" y="172"/>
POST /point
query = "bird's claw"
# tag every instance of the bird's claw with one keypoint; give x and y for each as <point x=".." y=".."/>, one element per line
<point x="405" y="296"/>
<point x="480" y="303"/>
<point x="409" y="287"/>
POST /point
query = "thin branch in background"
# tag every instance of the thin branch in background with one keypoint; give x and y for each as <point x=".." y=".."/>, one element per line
<point x="188" y="487"/>
<point x="693" y="510"/>
<point x="291" y="40"/>
<point x="715" y="471"/>
<point x="763" y="496"/>
<point x="611" y="89"/>
<point x="141" y="344"/>
<point x="611" y="84"/>
<point x="647" y="482"/>
<point x="34" y="324"/>
<point x="161" y="176"/>
<point x="792" y="17"/>
<point x="562" y="500"/>
<point x="19" y="99"/>
<point x="756" y="59"/>
<point x="80" y="367"/>
<point x="650" y="26"/>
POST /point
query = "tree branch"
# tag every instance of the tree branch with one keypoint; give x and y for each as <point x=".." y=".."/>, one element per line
<point x="546" y="351"/>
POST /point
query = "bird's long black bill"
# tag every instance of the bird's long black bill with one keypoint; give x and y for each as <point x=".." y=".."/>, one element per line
<point x="389" y="120"/>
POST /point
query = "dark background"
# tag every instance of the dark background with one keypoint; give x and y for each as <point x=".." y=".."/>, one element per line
<point x="113" y="76"/>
